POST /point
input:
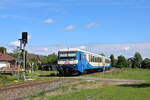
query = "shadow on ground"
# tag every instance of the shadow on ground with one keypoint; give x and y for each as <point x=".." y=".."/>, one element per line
<point x="49" y="75"/>
<point x="55" y="75"/>
<point x="142" y="85"/>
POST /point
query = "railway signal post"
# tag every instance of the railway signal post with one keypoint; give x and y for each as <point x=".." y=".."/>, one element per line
<point x="23" y="42"/>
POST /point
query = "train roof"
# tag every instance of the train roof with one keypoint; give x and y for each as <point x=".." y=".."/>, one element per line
<point x="77" y="49"/>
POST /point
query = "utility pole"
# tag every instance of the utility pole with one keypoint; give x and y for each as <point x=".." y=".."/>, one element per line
<point x="23" y="42"/>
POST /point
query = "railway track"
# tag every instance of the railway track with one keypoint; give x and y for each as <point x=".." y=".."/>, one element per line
<point x="25" y="84"/>
<point x="19" y="90"/>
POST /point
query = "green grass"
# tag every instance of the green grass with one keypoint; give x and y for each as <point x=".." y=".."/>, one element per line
<point x="39" y="72"/>
<point x="106" y="93"/>
<point x="138" y="91"/>
<point x="136" y="74"/>
<point x="42" y="75"/>
<point x="38" y="75"/>
<point x="8" y="79"/>
<point x="122" y="92"/>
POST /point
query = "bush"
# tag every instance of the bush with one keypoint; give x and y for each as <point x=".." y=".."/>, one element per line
<point x="146" y="63"/>
<point x="122" y="62"/>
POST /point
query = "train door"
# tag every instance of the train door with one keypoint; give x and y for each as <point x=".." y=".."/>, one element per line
<point x="83" y="61"/>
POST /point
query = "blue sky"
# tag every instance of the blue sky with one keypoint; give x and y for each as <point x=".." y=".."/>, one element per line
<point x="75" y="22"/>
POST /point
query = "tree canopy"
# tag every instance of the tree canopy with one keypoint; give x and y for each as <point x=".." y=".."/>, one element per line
<point x="122" y="62"/>
<point x="113" y="60"/>
<point x="3" y="50"/>
<point x="137" y="60"/>
<point x="52" y="58"/>
<point x="102" y="54"/>
<point x="146" y="63"/>
<point x="16" y="53"/>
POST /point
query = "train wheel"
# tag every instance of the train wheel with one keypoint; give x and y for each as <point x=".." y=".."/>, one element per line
<point x="86" y="72"/>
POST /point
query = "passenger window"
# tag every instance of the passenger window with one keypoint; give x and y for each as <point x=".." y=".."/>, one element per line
<point x="83" y="57"/>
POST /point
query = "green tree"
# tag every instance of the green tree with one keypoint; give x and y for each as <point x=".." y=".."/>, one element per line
<point x="49" y="61"/>
<point x="16" y="53"/>
<point x="146" y="63"/>
<point x="122" y="62"/>
<point x="102" y="54"/>
<point x="52" y="58"/>
<point x="137" y="60"/>
<point x="34" y="61"/>
<point x="131" y="61"/>
<point x="3" y="50"/>
<point x="33" y="64"/>
<point x="113" y="60"/>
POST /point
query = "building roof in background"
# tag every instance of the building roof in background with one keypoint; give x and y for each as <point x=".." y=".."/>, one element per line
<point x="5" y="57"/>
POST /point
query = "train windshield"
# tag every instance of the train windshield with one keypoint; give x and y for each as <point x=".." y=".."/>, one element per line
<point x="67" y="55"/>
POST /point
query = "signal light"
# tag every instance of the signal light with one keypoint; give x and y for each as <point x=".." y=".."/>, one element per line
<point x="25" y="36"/>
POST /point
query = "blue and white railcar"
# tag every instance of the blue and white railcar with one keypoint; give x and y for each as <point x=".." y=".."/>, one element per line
<point x="73" y="61"/>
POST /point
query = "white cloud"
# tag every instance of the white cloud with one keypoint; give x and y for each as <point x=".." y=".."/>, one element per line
<point x="71" y="27"/>
<point x="48" y="21"/>
<point x="93" y="24"/>
<point x="82" y="47"/>
<point x="126" y="48"/>
<point x="45" y="49"/>
<point x="42" y="49"/>
<point x="14" y="43"/>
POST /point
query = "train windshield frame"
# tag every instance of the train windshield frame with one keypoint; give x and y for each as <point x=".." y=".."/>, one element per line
<point x="67" y="55"/>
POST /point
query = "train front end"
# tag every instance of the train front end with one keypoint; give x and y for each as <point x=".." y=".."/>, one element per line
<point x="67" y="62"/>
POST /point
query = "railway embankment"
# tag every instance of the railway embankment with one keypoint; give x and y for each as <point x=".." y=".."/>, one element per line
<point x="16" y="91"/>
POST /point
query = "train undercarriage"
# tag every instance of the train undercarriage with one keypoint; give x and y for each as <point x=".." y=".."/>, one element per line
<point x="67" y="71"/>
<point x="73" y="72"/>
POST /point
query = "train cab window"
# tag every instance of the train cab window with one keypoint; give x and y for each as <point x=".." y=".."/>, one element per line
<point x="67" y="55"/>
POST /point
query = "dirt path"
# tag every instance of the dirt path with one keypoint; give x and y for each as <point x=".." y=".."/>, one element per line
<point x="110" y="81"/>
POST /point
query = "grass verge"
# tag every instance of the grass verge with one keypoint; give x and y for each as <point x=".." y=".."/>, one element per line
<point x="135" y="74"/>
